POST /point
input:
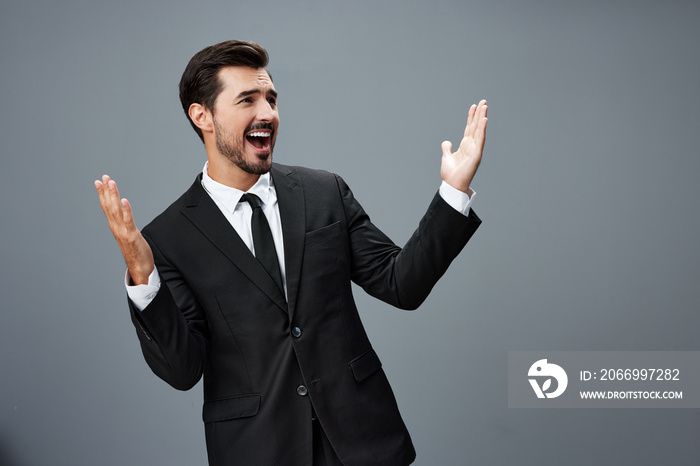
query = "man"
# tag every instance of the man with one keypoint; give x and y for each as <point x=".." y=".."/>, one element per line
<point x="257" y="260"/>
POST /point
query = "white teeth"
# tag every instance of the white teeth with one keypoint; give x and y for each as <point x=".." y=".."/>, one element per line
<point x="259" y="134"/>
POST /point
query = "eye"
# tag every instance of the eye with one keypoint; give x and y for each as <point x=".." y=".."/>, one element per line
<point x="272" y="101"/>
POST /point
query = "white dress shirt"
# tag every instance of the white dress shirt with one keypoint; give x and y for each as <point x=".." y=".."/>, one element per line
<point x="239" y="215"/>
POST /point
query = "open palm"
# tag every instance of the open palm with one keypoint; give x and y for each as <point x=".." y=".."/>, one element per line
<point x="458" y="168"/>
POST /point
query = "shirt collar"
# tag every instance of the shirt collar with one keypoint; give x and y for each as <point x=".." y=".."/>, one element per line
<point x="229" y="197"/>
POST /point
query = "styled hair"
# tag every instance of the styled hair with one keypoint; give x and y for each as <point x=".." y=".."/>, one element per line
<point x="200" y="82"/>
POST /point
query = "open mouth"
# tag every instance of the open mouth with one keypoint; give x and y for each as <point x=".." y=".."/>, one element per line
<point x="260" y="140"/>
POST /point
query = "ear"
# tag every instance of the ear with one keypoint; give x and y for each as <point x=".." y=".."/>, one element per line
<point x="201" y="117"/>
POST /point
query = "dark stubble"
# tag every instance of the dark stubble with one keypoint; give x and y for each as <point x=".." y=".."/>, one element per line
<point x="233" y="148"/>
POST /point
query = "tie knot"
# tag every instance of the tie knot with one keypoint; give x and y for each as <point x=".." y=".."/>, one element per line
<point x="252" y="199"/>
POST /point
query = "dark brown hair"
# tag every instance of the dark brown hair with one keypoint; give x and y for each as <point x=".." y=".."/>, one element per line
<point x="200" y="82"/>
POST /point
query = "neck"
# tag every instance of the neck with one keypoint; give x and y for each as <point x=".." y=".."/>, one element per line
<point x="229" y="174"/>
<point x="224" y="171"/>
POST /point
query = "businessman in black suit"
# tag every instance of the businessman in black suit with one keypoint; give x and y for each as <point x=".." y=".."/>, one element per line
<point x="257" y="260"/>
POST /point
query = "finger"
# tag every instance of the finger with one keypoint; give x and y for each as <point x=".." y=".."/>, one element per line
<point x="479" y="113"/>
<point x="112" y="185"/>
<point x="111" y="200"/>
<point x="109" y="185"/>
<point x="470" y="113"/>
<point x="484" y="108"/>
<point x="481" y="132"/>
<point x="102" y="194"/>
<point x="127" y="213"/>
<point x="446" y="148"/>
<point x="100" y="185"/>
<point x="468" y="131"/>
<point x="114" y="194"/>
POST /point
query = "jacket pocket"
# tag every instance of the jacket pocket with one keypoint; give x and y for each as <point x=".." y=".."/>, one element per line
<point x="365" y="365"/>
<point x="323" y="233"/>
<point x="231" y="408"/>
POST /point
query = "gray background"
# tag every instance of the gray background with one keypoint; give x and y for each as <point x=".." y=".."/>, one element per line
<point x="588" y="192"/>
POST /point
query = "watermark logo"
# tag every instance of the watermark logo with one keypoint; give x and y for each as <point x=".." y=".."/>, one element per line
<point x="545" y="372"/>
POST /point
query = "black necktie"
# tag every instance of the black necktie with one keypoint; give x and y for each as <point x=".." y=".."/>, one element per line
<point x="262" y="240"/>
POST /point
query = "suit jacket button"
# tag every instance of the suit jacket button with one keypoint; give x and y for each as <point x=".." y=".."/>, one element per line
<point x="296" y="332"/>
<point x="302" y="390"/>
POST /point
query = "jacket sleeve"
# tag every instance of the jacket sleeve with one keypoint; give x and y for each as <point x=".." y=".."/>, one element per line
<point x="404" y="277"/>
<point x="172" y="329"/>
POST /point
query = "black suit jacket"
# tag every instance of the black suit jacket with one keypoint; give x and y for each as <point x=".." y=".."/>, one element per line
<point x="266" y="362"/>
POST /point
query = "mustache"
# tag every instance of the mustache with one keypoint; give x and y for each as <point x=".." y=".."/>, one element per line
<point x="256" y="126"/>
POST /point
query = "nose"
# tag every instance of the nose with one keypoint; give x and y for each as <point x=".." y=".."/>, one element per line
<point x="266" y="112"/>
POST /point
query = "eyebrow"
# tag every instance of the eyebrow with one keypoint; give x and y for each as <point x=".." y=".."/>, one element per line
<point x="272" y="92"/>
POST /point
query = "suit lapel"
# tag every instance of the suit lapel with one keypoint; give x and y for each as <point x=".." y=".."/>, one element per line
<point x="290" y="197"/>
<point x="201" y="210"/>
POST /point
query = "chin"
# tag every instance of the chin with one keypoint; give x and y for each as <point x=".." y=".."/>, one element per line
<point x="259" y="166"/>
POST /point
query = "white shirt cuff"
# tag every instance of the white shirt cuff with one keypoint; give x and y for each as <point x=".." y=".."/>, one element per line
<point x="458" y="200"/>
<point x="142" y="295"/>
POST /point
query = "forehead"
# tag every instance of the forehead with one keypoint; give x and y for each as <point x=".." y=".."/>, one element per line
<point x="236" y="79"/>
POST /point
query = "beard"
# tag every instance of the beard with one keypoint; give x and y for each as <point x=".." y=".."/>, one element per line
<point x="234" y="149"/>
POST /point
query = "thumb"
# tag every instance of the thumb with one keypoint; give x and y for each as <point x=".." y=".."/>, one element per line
<point x="446" y="148"/>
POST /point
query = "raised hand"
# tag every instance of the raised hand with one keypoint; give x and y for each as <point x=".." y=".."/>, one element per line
<point x="458" y="168"/>
<point x="137" y="253"/>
